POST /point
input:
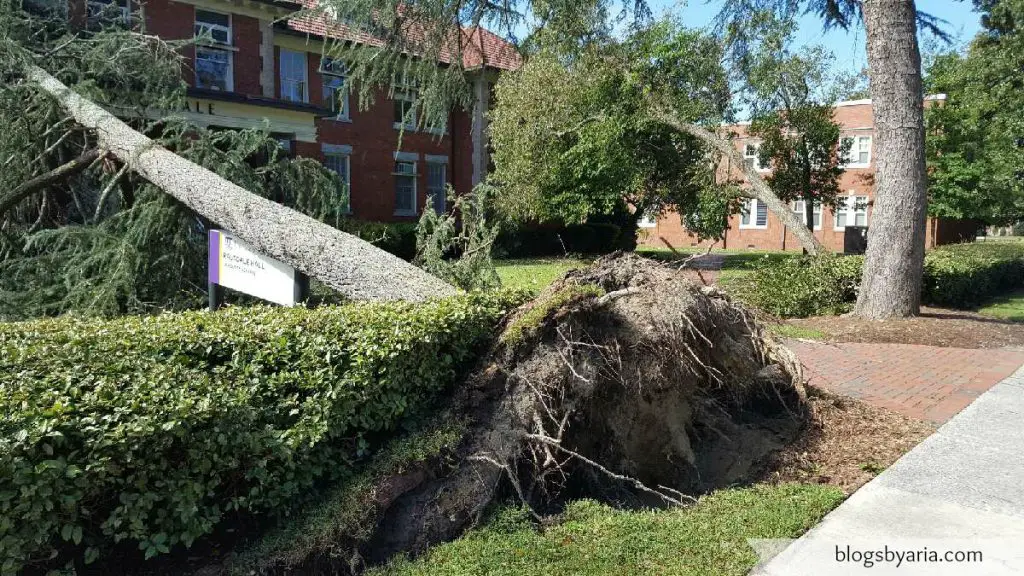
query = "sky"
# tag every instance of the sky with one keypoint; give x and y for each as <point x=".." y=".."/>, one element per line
<point x="848" y="47"/>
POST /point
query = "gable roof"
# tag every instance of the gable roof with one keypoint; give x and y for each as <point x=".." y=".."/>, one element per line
<point x="481" y="47"/>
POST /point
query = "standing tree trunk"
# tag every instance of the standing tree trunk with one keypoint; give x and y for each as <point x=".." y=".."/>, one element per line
<point x="893" y="268"/>
<point x="353" y="267"/>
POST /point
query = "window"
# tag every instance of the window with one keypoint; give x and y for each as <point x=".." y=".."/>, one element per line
<point x="405" y="188"/>
<point x="800" y="210"/>
<point x="851" y="211"/>
<point x="754" y="214"/>
<point x="752" y="156"/>
<point x="335" y="90"/>
<point x="405" y="110"/>
<point x="340" y="163"/>
<point x="437" y="189"/>
<point x="213" y="27"/>
<point x="213" y="60"/>
<point x="107" y="11"/>
<point x="293" y="76"/>
<point x="858" y="152"/>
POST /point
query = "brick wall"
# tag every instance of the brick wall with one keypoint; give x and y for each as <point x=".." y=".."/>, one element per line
<point x="370" y="133"/>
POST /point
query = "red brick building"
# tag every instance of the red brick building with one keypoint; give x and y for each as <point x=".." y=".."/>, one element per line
<point x="257" y="69"/>
<point x="757" y="228"/>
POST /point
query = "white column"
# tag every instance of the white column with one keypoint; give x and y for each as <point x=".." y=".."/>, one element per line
<point x="267" y="57"/>
<point x="482" y="96"/>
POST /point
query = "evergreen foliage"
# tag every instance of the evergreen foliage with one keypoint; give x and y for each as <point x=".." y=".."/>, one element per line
<point x="101" y="240"/>
<point x="573" y="135"/>
<point x="153" y="430"/>
<point x="456" y="246"/>
<point x="976" y="137"/>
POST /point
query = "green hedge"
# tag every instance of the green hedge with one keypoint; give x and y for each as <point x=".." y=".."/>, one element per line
<point x="544" y="240"/>
<point x="955" y="276"/>
<point x="152" y="430"/>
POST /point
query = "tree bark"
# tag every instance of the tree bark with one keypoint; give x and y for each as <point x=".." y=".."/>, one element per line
<point x="759" y="188"/>
<point x="351" y="266"/>
<point x="30" y="187"/>
<point x="894" y="265"/>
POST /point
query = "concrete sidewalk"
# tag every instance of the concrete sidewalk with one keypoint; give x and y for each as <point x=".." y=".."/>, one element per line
<point x="962" y="489"/>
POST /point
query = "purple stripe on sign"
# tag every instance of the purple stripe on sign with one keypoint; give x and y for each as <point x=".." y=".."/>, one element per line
<point x="213" y="264"/>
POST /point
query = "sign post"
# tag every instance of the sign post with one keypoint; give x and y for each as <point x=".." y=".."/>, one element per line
<point x="235" y="264"/>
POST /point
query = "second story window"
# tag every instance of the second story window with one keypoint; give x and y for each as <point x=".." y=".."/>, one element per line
<point x="335" y="89"/>
<point x="213" y="55"/>
<point x="405" y="109"/>
<point x="294" y="83"/>
<point x="752" y="156"/>
<point x="858" y="151"/>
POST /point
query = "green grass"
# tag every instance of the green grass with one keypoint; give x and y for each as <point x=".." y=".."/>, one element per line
<point x="709" y="538"/>
<point x="535" y="273"/>
<point x="1009" y="307"/>
<point x="791" y="331"/>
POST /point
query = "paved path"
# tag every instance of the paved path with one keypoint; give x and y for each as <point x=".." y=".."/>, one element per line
<point x="923" y="382"/>
<point x="958" y="491"/>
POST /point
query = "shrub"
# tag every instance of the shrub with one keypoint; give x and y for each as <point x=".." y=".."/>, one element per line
<point x="552" y="240"/>
<point x="152" y="429"/>
<point x="802" y="286"/>
<point x="955" y="276"/>
<point x="966" y="275"/>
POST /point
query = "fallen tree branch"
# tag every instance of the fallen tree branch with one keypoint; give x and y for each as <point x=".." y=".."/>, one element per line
<point x="342" y="261"/>
<point x="30" y="187"/>
<point x="759" y="188"/>
<point x="619" y="477"/>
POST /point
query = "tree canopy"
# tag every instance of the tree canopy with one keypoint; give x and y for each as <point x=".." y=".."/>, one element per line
<point x="975" y="151"/>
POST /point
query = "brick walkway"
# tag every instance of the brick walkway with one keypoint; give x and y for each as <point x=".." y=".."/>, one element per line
<point x="923" y="382"/>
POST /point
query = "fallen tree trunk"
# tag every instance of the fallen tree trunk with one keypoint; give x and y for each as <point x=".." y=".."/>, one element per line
<point x="352" y="266"/>
<point x="759" y="188"/>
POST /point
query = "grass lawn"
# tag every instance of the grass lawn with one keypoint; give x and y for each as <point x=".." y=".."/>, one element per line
<point x="793" y="331"/>
<point x="709" y="538"/>
<point x="1009" y="307"/>
<point x="535" y="273"/>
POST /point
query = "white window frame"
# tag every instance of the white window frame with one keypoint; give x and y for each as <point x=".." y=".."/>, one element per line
<point x="400" y="160"/>
<point x="327" y="73"/>
<point x="215" y="47"/>
<point x="443" y="164"/>
<point x="799" y="208"/>
<point x="286" y="80"/>
<point x="406" y="96"/>
<point x="755" y="157"/>
<point x="750" y="208"/>
<point x="851" y="205"/>
<point x="198" y="28"/>
<point x="344" y="153"/>
<point x="854" y="151"/>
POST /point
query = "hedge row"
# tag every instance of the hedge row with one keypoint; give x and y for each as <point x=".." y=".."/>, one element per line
<point x="955" y="276"/>
<point x="151" y="430"/>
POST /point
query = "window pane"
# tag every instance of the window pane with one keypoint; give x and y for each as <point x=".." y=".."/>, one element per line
<point x="293" y="76"/>
<point x="762" y="214"/>
<point x="213" y="68"/>
<point x="405" y="194"/>
<point x="214" y="24"/>
<point x="745" y="213"/>
<point x="335" y="95"/>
